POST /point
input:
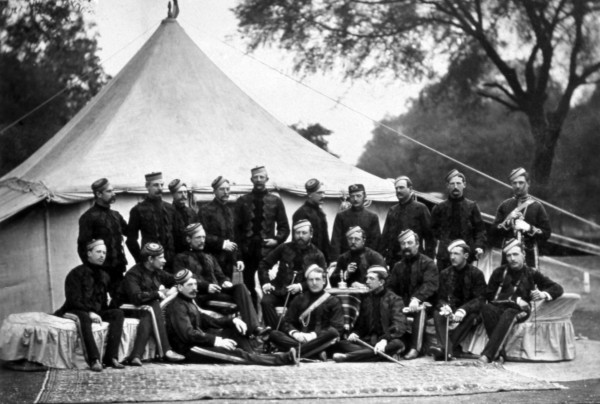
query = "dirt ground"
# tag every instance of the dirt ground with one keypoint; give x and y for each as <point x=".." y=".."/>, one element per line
<point x="23" y="387"/>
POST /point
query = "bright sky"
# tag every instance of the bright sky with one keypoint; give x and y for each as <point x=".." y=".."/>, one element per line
<point x="124" y="25"/>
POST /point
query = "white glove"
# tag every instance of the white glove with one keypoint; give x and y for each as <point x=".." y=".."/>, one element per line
<point x="95" y="317"/>
<point x="459" y="315"/>
<point x="294" y="288"/>
<point x="240" y="325"/>
<point x="414" y="305"/>
<point x="229" y="246"/>
<point x="267" y="288"/>
<point x="309" y="336"/>
<point x="240" y="266"/>
<point x="225" y="343"/>
<point x="522" y="304"/>
<point x="227" y="285"/>
<point x="353" y="337"/>
<point x="522" y="225"/>
<point x="299" y="336"/>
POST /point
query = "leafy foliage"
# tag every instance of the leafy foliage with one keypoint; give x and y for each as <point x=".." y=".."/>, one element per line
<point x="46" y="52"/>
<point x="315" y="133"/>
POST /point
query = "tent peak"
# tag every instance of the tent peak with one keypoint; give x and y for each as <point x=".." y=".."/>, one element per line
<point x="174" y="12"/>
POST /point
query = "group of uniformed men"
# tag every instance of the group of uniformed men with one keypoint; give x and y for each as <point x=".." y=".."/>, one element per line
<point x="188" y="258"/>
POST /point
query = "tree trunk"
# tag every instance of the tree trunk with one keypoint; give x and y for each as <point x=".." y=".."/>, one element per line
<point x="545" y="136"/>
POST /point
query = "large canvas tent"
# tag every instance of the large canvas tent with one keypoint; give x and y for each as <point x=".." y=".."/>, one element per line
<point x="170" y="109"/>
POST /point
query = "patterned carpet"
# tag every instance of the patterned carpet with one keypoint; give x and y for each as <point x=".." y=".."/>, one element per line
<point x="162" y="382"/>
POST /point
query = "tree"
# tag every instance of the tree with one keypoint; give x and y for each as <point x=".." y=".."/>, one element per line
<point x="46" y="54"/>
<point x="315" y="133"/>
<point x="554" y="41"/>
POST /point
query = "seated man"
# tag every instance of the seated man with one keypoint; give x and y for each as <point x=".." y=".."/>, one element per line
<point x="314" y="320"/>
<point x="415" y="279"/>
<point x="143" y="285"/>
<point x="220" y="340"/>
<point x="86" y="289"/>
<point x="460" y="297"/>
<point x="510" y="290"/>
<point x="353" y="264"/>
<point x="213" y="284"/>
<point x="380" y="323"/>
<point x="294" y="258"/>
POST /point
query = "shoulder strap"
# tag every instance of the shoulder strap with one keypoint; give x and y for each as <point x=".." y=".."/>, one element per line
<point x="306" y="313"/>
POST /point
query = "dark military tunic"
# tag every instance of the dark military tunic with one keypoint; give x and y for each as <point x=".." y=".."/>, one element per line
<point x="141" y="285"/>
<point x="363" y="258"/>
<point x="381" y="316"/>
<point x="184" y="216"/>
<point x="290" y="258"/>
<point x="204" y="266"/>
<point x="367" y="220"/>
<point x="217" y="220"/>
<point x="100" y="222"/>
<point x="157" y="221"/>
<point x="329" y="316"/>
<point x="462" y="288"/>
<point x="411" y="215"/>
<point x="415" y="277"/>
<point x="314" y="214"/>
<point x="535" y="215"/>
<point x="457" y="218"/>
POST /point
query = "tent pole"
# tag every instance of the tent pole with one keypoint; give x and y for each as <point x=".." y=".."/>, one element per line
<point x="48" y="255"/>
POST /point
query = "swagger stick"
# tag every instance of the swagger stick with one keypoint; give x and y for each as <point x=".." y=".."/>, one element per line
<point x="382" y="354"/>
<point x="287" y="298"/>
<point x="446" y="347"/>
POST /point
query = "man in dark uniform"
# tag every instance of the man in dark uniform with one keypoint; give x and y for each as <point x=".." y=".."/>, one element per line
<point x="100" y="222"/>
<point x="145" y="284"/>
<point x="85" y="292"/>
<point x="202" y="339"/>
<point x="353" y="264"/>
<point x="217" y="219"/>
<point x="407" y="214"/>
<point x="510" y="292"/>
<point x="457" y="218"/>
<point x="260" y="225"/>
<point x="314" y="320"/>
<point x="415" y="279"/>
<point x="311" y="210"/>
<point x="183" y="213"/>
<point x="522" y="217"/>
<point x="155" y="219"/>
<point x="293" y="257"/>
<point x="213" y="283"/>
<point x="460" y="297"/>
<point x="380" y="323"/>
<point x="359" y="216"/>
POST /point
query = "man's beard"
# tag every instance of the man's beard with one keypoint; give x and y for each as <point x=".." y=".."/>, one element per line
<point x="301" y="243"/>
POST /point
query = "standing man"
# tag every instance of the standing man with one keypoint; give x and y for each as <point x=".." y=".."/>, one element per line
<point x="183" y="213"/>
<point x="155" y="220"/>
<point x="85" y="292"/>
<point x="510" y="292"/>
<point x="294" y="257"/>
<point x="217" y="219"/>
<point x="213" y="283"/>
<point x="311" y="210"/>
<point x="100" y="222"/>
<point x="460" y="297"/>
<point x="352" y="265"/>
<point x="202" y="339"/>
<point x="314" y="321"/>
<point x="146" y="284"/>
<point x="457" y="218"/>
<point x="380" y="322"/>
<point x="415" y="279"/>
<point x="407" y="214"/>
<point x="522" y="217"/>
<point x="357" y="215"/>
<point x="260" y="225"/>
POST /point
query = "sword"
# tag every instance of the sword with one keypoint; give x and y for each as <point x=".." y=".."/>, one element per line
<point x="382" y="354"/>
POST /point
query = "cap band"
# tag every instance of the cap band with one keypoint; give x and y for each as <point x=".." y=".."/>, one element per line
<point x="302" y="224"/>
<point x="517" y="172"/>
<point x="217" y="182"/>
<point x="405" y="235"/>
<point x="99" y="185"/>
<point x="183" y="276"/>
<point x="154" y="177"/>
<point x="175" y="185"/>
<point x="94" y="243"/>
<point x="457" y="243"/>
<point x="378" y="269"/>
<point x="193" y="228"/>
<point x="355" y="229"/>
<point x="510" y="244"/>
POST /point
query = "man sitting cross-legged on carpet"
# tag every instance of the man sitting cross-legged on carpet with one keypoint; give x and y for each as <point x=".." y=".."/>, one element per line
<point x="460" y="297"/>
<point x="380" y="323"/>
<point x="314" y="320"/>
<point x="510" y="290"/>
<point x="203" y="339"/>
<point x="212" y="282"/>
<point x="86" y="289"/>
<point x="143" y="285"/>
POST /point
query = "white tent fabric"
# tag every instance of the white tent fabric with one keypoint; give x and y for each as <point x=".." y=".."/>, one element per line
<point x="173" y="110"/>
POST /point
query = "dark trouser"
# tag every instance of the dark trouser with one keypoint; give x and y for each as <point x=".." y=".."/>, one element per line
<point x="497" y="321"/>
<point x="359" y="353"/>
<point x="146" y="328"/>
<point x="309" y="349"/>
<point x="268" y="304"/>
<point x="455" y="335"/>
<point x="417" y="330"/>
<point x="116" y="275"/>
<point x="251" y="261"/>
<point x="114" y="318"/>
<point x="239" y="295"/>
